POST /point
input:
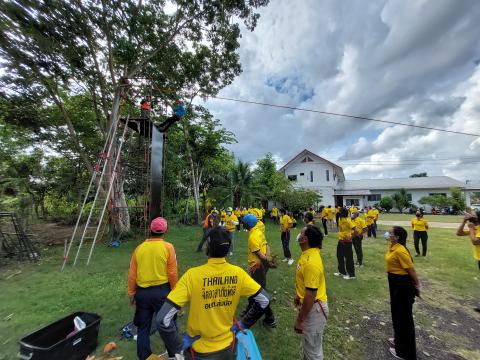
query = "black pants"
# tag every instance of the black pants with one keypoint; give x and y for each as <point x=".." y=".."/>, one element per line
<point x="357" y="245"/>
<point x="345" y="258"/>
<point x="337" y="216"/>
<point x="206" y="231"/>
<point x="260" y="276"/>
<point x="372" y="230"/>
<point x="225" y="354"/>
<point x="147" y="302"/>
<point x="417" y="236"/>
<point x="324" y="222"/>
<point x="402" y="297"/>
<point x="286" y="244"/>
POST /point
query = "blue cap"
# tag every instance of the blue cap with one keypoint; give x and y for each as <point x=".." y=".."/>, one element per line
<point x="250" y="220"/>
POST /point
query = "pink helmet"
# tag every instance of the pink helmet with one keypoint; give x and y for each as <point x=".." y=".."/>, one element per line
<point x="159" y="225"/>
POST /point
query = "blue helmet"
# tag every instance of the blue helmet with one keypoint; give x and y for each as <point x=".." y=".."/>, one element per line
<point x="250" y="220"/>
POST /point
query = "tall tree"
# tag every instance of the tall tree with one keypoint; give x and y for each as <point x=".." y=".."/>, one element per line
<point x="401" y="200"/>
<point x="52" y="47"/>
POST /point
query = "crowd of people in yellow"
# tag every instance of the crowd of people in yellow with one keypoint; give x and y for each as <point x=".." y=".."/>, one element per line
<point x="214" y="289"/>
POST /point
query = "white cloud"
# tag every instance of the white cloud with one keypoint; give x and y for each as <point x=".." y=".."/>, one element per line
<point x="402" y="61"/>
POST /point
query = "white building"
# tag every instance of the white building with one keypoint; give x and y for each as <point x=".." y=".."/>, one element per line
<point x="311" y="171"/>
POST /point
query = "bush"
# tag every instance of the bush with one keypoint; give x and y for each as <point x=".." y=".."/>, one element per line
<point x="386" y="203"/>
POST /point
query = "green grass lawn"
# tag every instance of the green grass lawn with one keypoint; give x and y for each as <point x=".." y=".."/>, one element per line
<point x="435" y="218"/>
<point x="359" y="319"/>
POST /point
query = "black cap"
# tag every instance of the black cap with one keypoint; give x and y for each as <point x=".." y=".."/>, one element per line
<point x="219" y="240"/>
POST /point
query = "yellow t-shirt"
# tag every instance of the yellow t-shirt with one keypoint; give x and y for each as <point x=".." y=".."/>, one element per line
<point x="256" y="242"/>
<point x="330" y="213"/>
<point x="353" y="209"/>
<point x="285" y="222"/>
<point x="223" y="216"/>
<point x="261" y="226"/>
<point x="345" y="229"/>
<point x="398" y="260"/>
<point x="369" y="217"/>
<point x="213" y="290"/>
<point x="237" y="213"/>
<point x="310" y="274"/>
<point x="229" y="222"/>
<point x="476" y="248"/>
<point x="360" y="223"/>
<point x="274" y="212"/>
<point x="376" y="212"/>
<point x="419" y="224"/>
<point x="324" y="213"/>
<point x="244" y="212"/>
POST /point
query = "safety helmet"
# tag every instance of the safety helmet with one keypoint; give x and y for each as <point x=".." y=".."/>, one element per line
<point x="229" y="209"/>
<point x="250" y="220"/>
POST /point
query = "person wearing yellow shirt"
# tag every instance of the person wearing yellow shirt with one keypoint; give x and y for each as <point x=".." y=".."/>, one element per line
<point x="352" y="209"/>
<point x="311" y="293"/>
<point x="258" y="263"/>
<point x="337" y="214"/>
<point x="330" y="216"/>
<point x="213" y="291"/>
<point x="152" y="274"/>
<point x="308" y="218"/>
<point x="231" y="222"/>
<point x="370" y="220"/>
<point x="346" y="230"/>
<point x="473" y="232"/>
<point x="376" y="212"/>
<point x="324" y="216"/>
<point x="420" y="227"/>
<point x="274" y="214"/>
<point x="404" y="286"/>
<point x="238" y="214"/>
<point x="286" y="223"/>
<point x="361" y="228"/>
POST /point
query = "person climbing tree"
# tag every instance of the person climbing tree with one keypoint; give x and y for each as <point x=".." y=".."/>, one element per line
<point x="146" y="107"/>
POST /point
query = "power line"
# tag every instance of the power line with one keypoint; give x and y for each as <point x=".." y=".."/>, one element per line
<point x="342" y="115"/>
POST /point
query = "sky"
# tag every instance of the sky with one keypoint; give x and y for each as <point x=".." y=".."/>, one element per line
<point x="416" y="62"/>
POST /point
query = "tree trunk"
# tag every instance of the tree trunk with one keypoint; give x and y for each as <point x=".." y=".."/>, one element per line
<point x="195" y="184"/>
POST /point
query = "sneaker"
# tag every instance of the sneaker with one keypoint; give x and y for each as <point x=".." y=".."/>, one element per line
<point x="417" y="255"/>
<point x="284" y="260"/>
<point x="394" y="353"/>
<point x="391" y="341"/>
<point x="348" y="277"/>
<point x="231" y="253"/>
<point x="338" y="274"/>
<point x="290" y="262"/>
<point x="271" y="325"/>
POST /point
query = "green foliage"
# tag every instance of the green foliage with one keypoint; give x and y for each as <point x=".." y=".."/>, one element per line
<point x="423" y="174"/>
<point x="456" y="201"/>
<point x="386" y="202"/>
<point x="400" y="200"/>
<point x="267" y="176"/>
<point x="299" y="199"/>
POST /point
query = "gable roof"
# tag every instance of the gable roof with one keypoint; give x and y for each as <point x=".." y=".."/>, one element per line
<point x="430" y="182"/>
<point x="305" y="152"/>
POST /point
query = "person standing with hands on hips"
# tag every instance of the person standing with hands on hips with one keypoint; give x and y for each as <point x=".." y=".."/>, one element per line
<point x="346" y="231"/>
<point x="404" y="286"/>
<point x="420" y="227"/>
<point x="153" y="273"/>
<point x="311" y="293"/>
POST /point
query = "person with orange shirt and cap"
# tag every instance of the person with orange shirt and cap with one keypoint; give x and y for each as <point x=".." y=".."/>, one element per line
<point x="153" y="274"/>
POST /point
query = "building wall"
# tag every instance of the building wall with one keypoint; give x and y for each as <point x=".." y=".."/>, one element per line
<point x="319" y="174"/>
<point x="417" y="194"/>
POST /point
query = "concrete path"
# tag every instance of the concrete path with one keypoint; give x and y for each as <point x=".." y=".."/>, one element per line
<point x="431" y="224"/>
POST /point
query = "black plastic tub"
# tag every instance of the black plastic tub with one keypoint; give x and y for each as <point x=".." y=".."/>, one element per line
<point x="51" y="342"/>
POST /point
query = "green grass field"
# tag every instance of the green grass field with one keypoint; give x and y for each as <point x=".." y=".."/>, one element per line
<point x="359" y="322"/>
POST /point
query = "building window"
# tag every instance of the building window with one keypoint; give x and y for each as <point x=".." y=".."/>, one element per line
<point x="307" y="159"/>
<point x="311" y="176"/>
<point x="327" y="173"/>
<point x="292" y="177"/>
<point x="352" y="202"/>
<point x="409" y="197"/>
<point x="433" y="194"/>
<point x="301" y="174"/>
<point x="374" y="197"/>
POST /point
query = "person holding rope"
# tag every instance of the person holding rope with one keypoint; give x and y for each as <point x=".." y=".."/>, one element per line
<point x="213" y="291"/>
<point x="311" y="293"/>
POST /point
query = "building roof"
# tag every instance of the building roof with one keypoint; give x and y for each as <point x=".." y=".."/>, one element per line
<point x="430" y="182"/>
<point x="304" y="152"/>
